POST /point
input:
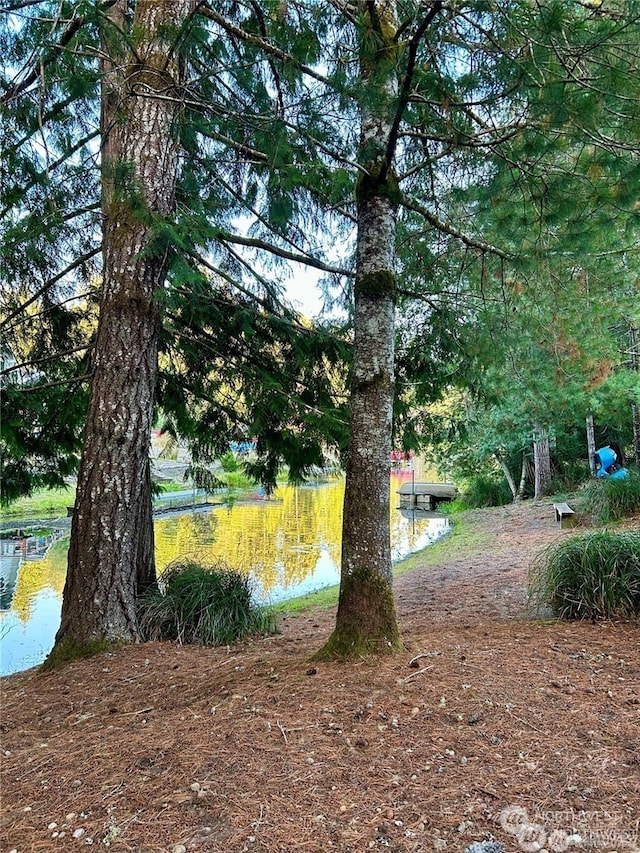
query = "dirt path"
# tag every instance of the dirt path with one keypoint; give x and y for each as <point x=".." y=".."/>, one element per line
<point x="489" y="724"/>
<point x="490" y="579"/>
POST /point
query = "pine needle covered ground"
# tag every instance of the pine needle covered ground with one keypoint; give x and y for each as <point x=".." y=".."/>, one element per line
<point x="489" y="724"/>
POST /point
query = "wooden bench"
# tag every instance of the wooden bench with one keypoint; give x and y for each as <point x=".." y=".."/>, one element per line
<point x="565" y="515"/>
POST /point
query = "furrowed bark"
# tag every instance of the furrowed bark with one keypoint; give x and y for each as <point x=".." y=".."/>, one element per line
<point x="112" y="534"/>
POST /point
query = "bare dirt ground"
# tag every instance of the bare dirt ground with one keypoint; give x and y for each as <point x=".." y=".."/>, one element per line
<point x="490" y="725"/>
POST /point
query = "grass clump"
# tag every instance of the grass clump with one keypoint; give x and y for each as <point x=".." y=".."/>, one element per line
<point x="485" y="490"/>
<point x="596" y="576"/>
<point x="211" y="605"/>
<point x="609" y="500"/>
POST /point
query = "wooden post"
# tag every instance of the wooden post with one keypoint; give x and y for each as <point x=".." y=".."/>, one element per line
<point x="591" y="445"/>
<point x="635" y="408"/>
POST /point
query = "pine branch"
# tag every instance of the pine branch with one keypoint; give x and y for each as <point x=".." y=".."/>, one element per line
<point x="204" y="107"/>
<point x="246" y="150"/>
<point x="48" y="56"/>
<point x="258" y="216"/>
<point x="349" y="10"/>
<point x="276" y="77"/>
<point x="36" y="361"/>
<point x="445" y="228"/>
<point x="20" y="4"/>
<point x="51" y="167"/>
<point x="231" y="281"/>
<point x="243" y="357"/>
<point x="407" y="83"/>
<point x="73" y="380"/>
<point x="30" y="318"/>
<point x="58" y="109"/>
<point x="306" y="260"/>
<point x="261" y="43"/>
<point x="273" y="294"/>
<point x="322" y="146"/>
<point x="74" y="265"/>
<point x="287" y="318"/>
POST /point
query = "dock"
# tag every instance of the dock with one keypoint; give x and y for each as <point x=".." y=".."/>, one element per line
<point x="426" y="496"/>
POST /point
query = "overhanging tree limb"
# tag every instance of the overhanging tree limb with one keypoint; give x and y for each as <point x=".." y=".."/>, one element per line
<point x="261" y="43"/>
<point x="48" y="55"/>
<point x="36" y="361"/>
<point x="72" y="380"/>
<point x="307" y="260"/>
<point x="446" y="228"/>
<point x="51" y="167"/>
<point x="407" y="82"/>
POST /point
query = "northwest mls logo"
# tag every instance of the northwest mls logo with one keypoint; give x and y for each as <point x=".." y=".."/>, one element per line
<point x="555" y="832"/>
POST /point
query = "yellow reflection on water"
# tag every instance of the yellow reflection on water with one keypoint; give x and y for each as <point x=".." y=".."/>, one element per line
<point x="290" y="545"/>
<point x="280" y="541"/>
<point x="36" y="575"/>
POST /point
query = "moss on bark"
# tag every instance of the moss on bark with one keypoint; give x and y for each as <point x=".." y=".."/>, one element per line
<point x="366" y="623"/>
<point x="347" y="643"/>
<point x="378" y="181"/>
<point x="377" y="284"/>
<point x="70" y="649"/>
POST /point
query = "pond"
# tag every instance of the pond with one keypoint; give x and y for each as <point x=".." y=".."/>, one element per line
<point x="289" y="545"/>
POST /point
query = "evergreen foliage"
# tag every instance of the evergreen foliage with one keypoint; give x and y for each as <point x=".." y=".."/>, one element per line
<point x="510" y="168"/>
<point x="229" y="462"/>
<point x="232" y="370"/>
<point x="530" y="336"/>
<point x="485" y="490"/>
<point x="240" y="160"/>
<point x="48" y="248"/>
<point x="496" y="219"/>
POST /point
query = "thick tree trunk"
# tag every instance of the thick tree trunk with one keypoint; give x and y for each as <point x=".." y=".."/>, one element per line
<point x="110" y="532"/>
<point x="366" y="619"/>
<point x="542" y="463"/>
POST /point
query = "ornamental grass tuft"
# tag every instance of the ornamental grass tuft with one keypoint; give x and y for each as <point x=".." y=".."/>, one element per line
<point x="609" y="500"/>
<point x="485" y="490"/>
<point x="211" y="605"/>
<point x="596" y="576"/>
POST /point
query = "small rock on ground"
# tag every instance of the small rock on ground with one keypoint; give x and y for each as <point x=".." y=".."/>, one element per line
<point x="485" y="847"/>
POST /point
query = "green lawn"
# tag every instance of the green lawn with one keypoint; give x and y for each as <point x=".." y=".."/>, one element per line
<point x="51" y="503"/>
<point x="46" y="503"/>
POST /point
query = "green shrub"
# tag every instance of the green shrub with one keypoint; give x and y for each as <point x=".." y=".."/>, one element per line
<point x="211" y="605"/>
<point x="570" y="476"/>
<point x="238" y="480"/>
<point x="593" y="576"/>
<point x="485" y="490"/>
<point x="229" y="462"/>
<point x="609" y="500"/>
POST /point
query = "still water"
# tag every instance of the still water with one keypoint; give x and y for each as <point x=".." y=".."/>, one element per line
<point x="289" y="545"/>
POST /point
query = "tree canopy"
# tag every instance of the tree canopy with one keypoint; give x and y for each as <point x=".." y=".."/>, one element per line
<point x="473" y="168"/>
